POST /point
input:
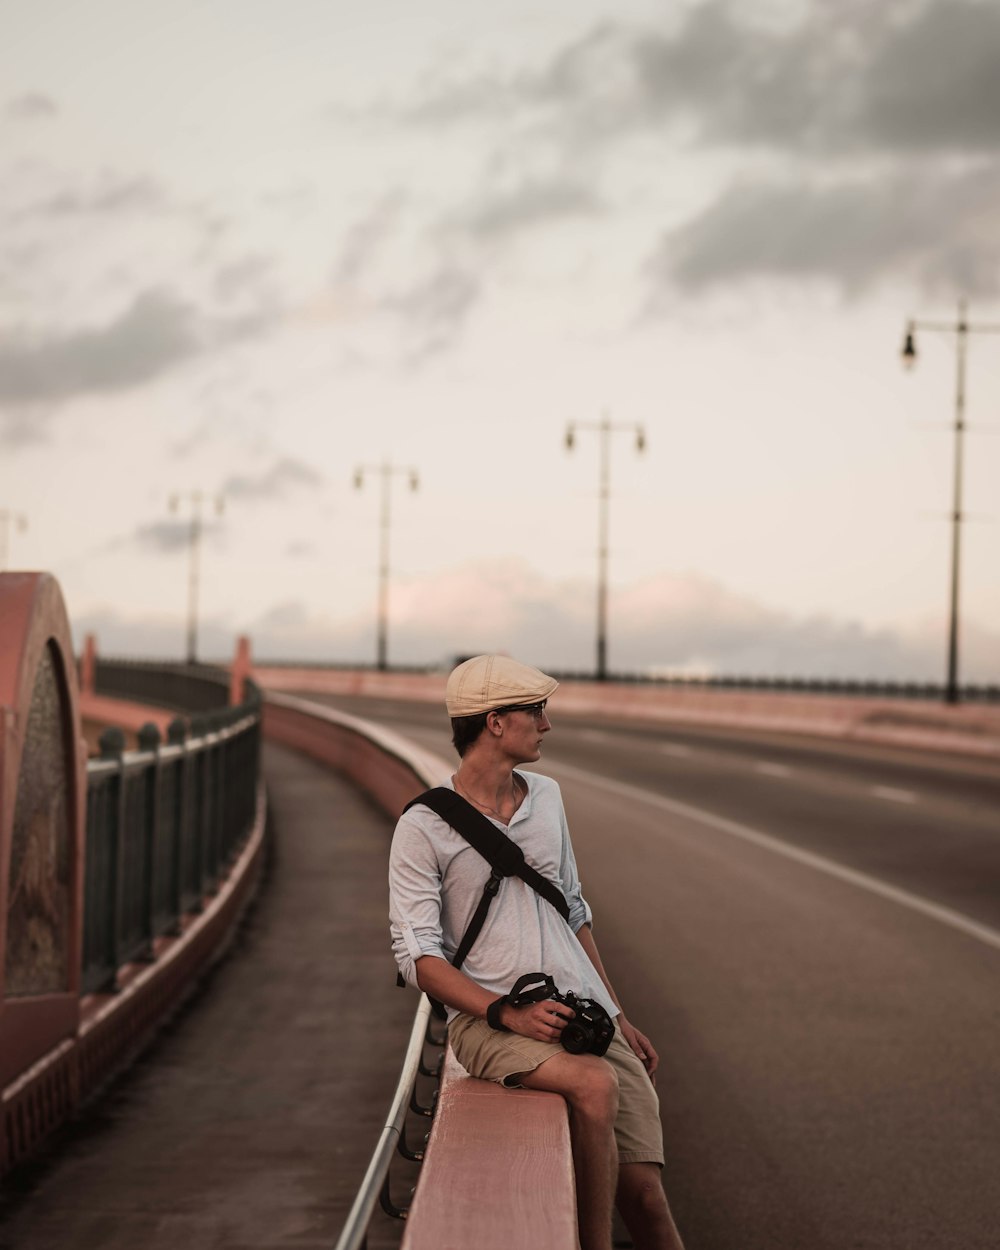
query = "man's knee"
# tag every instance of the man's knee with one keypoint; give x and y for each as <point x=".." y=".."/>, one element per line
<point x="594" y="1090"/>
<point x="589" y="1084"/>
<point x="640" y="1190"/>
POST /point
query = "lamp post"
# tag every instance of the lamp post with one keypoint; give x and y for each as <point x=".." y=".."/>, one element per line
<point x="604" y="428"/>
<point x="385" y="470"/>
<point x="9" y="520"/>
<point x="961" y="329"/>
<point x="196" y="498"/>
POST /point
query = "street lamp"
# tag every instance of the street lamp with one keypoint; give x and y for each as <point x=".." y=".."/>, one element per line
<point x="196" y="499"/>
<point x="9" y="520"/>
<point x="385" y="470"/>
<point x="961" y="329"/>
<point x="604" y="428"/>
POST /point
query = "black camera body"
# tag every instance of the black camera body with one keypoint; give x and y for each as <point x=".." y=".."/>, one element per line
<point x="591" y="1029"/>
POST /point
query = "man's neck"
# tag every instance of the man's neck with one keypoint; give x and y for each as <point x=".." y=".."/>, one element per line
<point x="489" y="783"/>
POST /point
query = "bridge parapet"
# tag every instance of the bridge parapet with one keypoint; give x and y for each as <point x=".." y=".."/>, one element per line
<point x="120" y="879"/>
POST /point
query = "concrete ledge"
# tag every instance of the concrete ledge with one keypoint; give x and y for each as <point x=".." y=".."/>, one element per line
<point x="498" y="1171"/>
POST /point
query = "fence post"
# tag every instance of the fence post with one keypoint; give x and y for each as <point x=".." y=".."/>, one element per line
<point x="112" y="745"/>
<point x="149" y="740"/>
<point x="181" y="781"/>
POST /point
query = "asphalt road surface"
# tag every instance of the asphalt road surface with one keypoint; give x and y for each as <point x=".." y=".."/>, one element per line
<point x="809" y="932"/>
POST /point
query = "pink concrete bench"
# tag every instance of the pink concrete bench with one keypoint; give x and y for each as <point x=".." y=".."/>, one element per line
<point x="498" y="1171"/>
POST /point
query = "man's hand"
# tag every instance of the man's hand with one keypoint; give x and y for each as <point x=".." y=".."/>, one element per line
<point x="641" y="1045"/>
<point x="542" y="1021"/>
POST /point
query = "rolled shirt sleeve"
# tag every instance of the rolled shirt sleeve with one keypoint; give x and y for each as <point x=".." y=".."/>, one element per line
<point x="414" y="899"/>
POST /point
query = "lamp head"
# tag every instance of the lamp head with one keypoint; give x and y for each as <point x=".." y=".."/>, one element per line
<point x="909" y="352"/>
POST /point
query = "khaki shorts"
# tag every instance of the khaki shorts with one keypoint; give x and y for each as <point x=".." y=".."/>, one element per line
<point x="502" y="1057"/>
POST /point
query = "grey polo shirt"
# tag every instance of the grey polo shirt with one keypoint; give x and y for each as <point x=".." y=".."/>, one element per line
<point x="436" y="880"/>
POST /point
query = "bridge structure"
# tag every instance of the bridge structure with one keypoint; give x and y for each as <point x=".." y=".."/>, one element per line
<point x="156" y="817"/>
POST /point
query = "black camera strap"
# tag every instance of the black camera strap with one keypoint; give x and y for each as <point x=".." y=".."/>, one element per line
<point x="504" y="856"/>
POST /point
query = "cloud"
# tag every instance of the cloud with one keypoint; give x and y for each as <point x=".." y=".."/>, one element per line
<point x="31" y="106"/>
<point x="939" y="232"/>
<point x="110" y="196"/>
<point x="683" y="623"/>
<point x="283" y="476"/>
<point x="902" y="76"/>
<point x="531" y="204"/>
<point x="434" y="309"/>
<point x="155" y="332"/>
<point x="248" y="275"/>
<point x="365" y="240"/>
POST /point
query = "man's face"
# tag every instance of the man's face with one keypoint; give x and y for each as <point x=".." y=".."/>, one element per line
<point x="523" y="728"/>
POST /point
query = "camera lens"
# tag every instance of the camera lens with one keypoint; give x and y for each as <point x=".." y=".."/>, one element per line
<point x="575" y="1038"/>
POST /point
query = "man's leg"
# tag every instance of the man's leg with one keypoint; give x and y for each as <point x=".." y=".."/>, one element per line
<point x="590" y="1087"/>
<point x="643" y="1207"/>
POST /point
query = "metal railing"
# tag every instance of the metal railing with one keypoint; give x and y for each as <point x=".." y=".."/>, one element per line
<point x="186" y="687"/>
<point x="164" y="822"/>
<point x="375" y="1186"/>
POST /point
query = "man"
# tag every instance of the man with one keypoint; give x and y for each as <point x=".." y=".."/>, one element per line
<point x="499" y="717"/>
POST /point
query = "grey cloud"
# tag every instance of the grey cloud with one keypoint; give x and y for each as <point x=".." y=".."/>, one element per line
<point x="939" y="231"/>
<point x="155" y="332"/>
<point x="110" y="196"/>
<point x="434" y="310"/>
<point x="31" y="106"/>
<point x="249" y="274"/>
<point x="164" y="537"/>
<point x="531" y="204"/>
<point x="283" y="476"/>
<point x="921" y="76"/>
<point x="365" y="239"/>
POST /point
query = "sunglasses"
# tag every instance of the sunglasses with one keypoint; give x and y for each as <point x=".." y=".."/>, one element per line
<point x="537" y="710"/>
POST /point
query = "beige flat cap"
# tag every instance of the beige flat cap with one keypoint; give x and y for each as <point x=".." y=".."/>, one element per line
<point x="488" y="681"/>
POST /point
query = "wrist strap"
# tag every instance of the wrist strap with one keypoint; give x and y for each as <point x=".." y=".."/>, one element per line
<point x="493" y="1014"/>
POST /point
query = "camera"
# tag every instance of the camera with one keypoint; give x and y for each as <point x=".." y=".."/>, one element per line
<point x="591" y="1029"/>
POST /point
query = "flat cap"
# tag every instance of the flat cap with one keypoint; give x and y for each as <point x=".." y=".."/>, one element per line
<point x="489" y="681"/>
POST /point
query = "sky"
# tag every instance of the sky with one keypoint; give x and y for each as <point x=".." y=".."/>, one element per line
<point x="256" y="250"/>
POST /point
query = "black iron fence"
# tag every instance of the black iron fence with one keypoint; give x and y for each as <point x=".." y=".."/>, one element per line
<point x="164" y="822"/>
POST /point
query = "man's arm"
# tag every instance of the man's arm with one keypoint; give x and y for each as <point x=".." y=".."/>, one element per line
<point x="641" y="1044"/>
<point x="542" y="1021"/>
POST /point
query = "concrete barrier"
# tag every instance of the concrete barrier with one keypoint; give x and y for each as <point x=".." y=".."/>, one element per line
<point x="968" y="729"/>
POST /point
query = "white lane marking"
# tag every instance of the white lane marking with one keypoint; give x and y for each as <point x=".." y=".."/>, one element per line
<point x="894" y="795"/>
<point x="772" y="770"/>
<point x="676" y="749"/>
<point x="933" y="911"/>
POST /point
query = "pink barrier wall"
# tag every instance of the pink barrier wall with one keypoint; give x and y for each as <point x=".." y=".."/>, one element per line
<point x="387" y="767"/>
<point x="42" y="811"/>
<point x="969" y="729"/>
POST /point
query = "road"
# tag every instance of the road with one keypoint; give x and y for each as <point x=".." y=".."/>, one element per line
<point x="810" y="934"/>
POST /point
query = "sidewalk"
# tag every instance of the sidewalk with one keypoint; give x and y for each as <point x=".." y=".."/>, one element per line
<point x="250" y="1121"/>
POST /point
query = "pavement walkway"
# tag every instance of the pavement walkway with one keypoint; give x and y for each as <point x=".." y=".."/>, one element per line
<point x="250" y="1121"/>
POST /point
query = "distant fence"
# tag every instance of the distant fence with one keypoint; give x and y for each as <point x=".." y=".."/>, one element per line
<point x="846" y="686"/>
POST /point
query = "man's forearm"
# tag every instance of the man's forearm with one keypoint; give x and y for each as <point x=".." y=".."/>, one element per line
<point x="585" y="936"/>
<point x="437" y="978"/>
